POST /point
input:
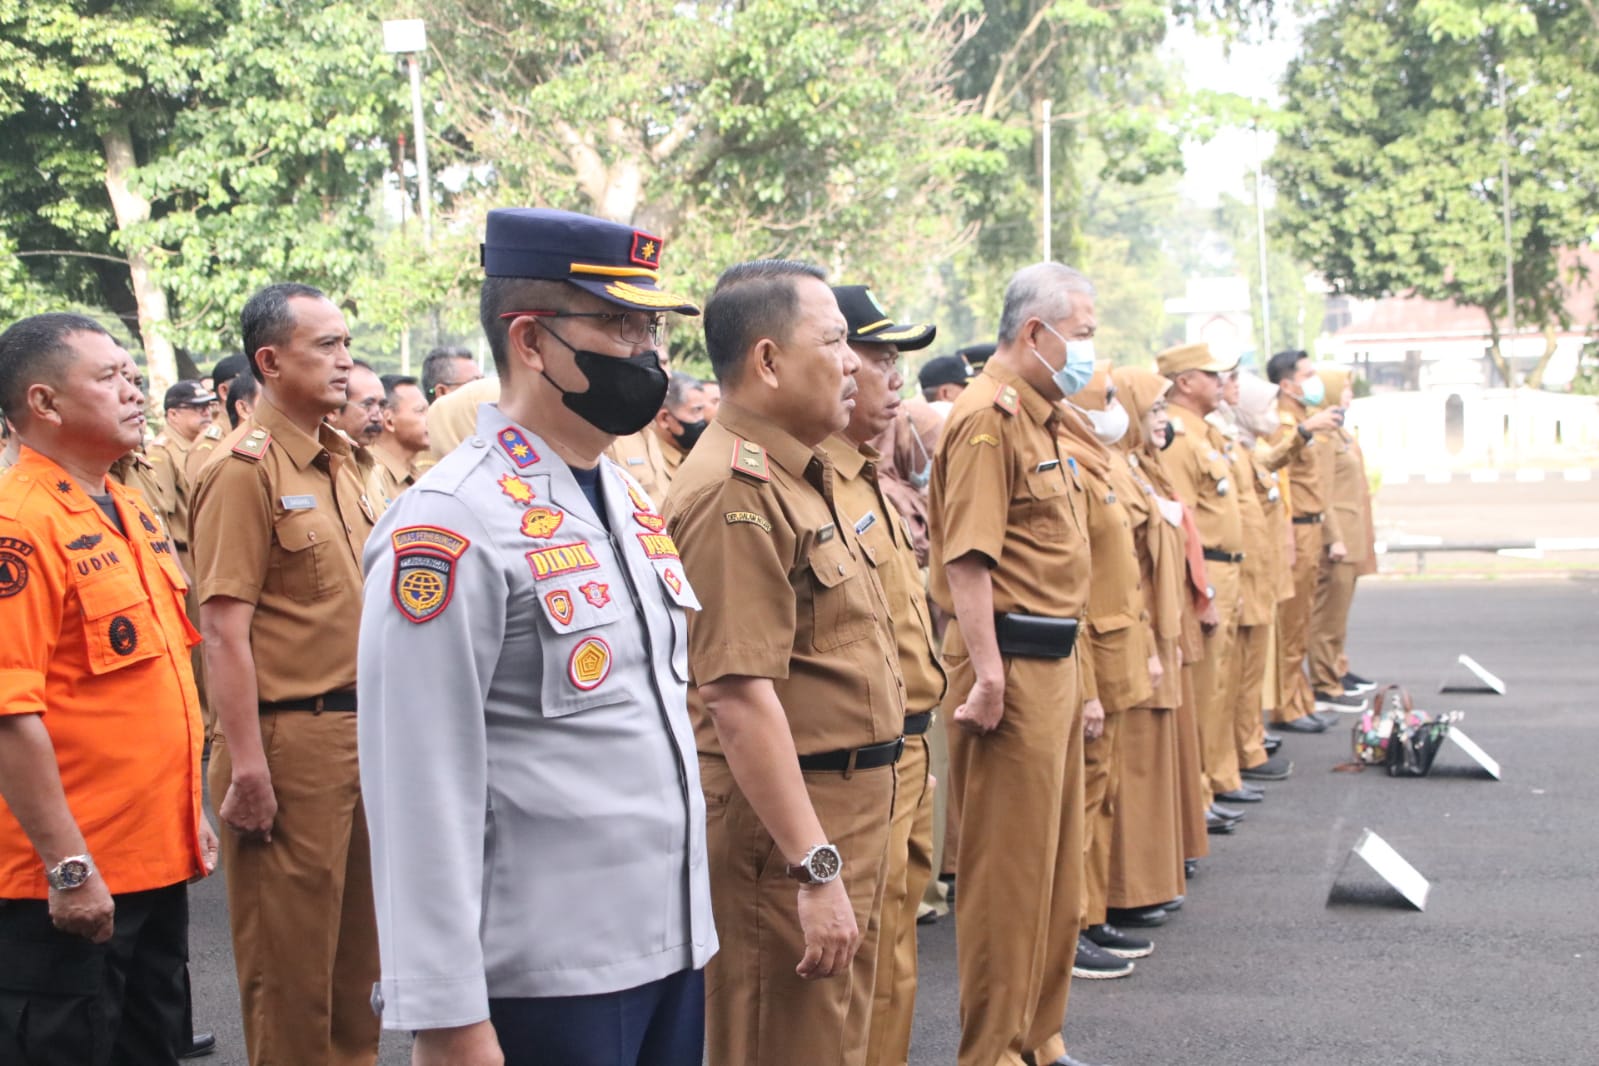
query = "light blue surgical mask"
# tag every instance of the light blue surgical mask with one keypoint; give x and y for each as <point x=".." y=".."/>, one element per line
<point x="1079" y="367"/>
<point x="1314" y="391"/>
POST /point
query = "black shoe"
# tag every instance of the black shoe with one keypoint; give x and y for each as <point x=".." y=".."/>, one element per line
<point x="1118" y="943"/>
<point x="1190" y="869"/>
<point x="1226" y="812"/>
<point x="1172" y="906"/>
<point x="927" y="917"/>
<point x="1329" y="719"/>
<point x="1217" y="825"/>
<point x="1308" y="724"/>
<point x="949" y="888"/>
<point x="200" y="1045"/>
<point x="1245" y="793"/>
<point x="1353" y="682"/>
<point x="1275" y="768"/>
<point x="1094" y="963"/>
<point x="1340" y="701"/>
<point x="1272" y="743"/>
<point x="1136" y="917"/>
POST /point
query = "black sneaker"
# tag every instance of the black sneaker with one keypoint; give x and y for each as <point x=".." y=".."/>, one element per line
<point x="1308" y="724"/>
<point x="1190" y="869"/>
<point x="1340" y="701"/>
<point x="1118" y="943"/>
<point x="1275" y="768"/>
<point x="1272" y="743"/>
<point x="1094" y="963"/>
<point x="1358" y="685"/>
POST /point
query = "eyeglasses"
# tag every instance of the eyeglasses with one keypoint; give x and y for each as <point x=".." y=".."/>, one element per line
<point x="632" y="327"/>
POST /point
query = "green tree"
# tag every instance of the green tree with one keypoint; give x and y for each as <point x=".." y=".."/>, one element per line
<point x="1390" y="170"/>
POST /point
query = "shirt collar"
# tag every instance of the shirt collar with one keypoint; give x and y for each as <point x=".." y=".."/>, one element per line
<point x="301" y="448"/>
<point x="848" y="459"/>
<point x="1038" y="409"/>
<point x="397" y="467"/>
<point x="781" y="447"/>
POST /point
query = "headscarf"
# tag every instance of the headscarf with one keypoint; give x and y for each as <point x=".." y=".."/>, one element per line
<point x="1139" y="389"/>
<point x="1334" y="380"/>
<point x="1257" y="405"/>
<point x="1077" y="434"/>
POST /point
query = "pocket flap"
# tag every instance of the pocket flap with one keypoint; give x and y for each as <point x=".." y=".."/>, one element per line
<point x="109" y="595"/>
<point x="299" y="530"/>
<point x="831" y="563"/>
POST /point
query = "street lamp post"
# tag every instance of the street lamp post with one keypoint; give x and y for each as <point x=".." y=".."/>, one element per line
<point x="408" y="37"/>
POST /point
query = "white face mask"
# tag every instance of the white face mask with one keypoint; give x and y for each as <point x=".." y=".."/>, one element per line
<point x="1110" y="425"/>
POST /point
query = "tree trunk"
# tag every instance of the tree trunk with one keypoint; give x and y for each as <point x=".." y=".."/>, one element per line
<point x="1496" y="352"/>
<point x="131" y="209"/>
<point x="1551" y="343"/>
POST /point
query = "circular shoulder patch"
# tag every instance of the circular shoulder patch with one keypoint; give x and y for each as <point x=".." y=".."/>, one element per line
<point x="124" y="637"/>
<point x="13" y="573"/>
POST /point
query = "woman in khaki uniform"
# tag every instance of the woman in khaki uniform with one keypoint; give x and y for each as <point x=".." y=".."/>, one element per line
<point x="1154" y="829"/>
<point x="1335" y="584"/>
<point x="1125" y="663"/>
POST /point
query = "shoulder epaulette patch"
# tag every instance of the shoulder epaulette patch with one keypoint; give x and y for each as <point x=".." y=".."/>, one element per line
<point x="213" y="432"/>
<point x="1007" y="400"/>
<point x="750" y="458"/>
<point x="253" y="445"/>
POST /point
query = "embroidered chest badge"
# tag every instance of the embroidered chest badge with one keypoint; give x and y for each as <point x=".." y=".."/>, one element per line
<point x="652" y="522"/>
<point x="658" y="545"/>
<point x="561" y="559"/>
<point x="559" y="601"/>
<point x="673" y="582"/>
<point x="590" y="664"/>
<point x="516" y="488"/>
<point x="541" y="522"/>
<point x="597" y="593"/>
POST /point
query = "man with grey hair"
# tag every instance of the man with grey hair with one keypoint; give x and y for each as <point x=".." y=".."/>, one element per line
<point x="1010" y="562"/>
<point x="447" y="369"/>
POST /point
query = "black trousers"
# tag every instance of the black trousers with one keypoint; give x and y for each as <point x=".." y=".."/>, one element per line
<point x="67" y="1002"/>
<point x="658" y="1024"/>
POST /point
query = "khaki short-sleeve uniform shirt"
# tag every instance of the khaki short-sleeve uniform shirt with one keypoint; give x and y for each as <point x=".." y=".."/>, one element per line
<point x="1310" y="470"/>
<point x="886" y="537"/>
<point x="1003" y="487"/>
<point x="1205" y="481"/>
<point x="789" y="592"/>
<point x="279" y="522"/>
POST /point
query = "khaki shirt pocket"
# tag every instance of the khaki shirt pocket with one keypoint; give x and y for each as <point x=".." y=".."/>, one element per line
<point x="301" y="566"/>
<point x="119" y="625"/>
<point x="841" y="609"/>
<point x="1046" y="504"/>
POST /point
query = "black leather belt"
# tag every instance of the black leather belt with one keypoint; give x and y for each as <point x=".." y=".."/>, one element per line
<point x="1308" y="519"/>
<point x="917" y="724"/>
<point x="180" y="545"/>
<point x="846" y="760"/>
<point x="332" y="701"/>
<point x="1216" y="555"/>
<point x="1031" y="636"/>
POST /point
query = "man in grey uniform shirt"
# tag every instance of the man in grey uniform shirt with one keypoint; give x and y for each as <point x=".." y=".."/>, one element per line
<point x="538" y="830"/>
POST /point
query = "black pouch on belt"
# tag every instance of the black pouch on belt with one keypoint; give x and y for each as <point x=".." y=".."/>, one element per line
<point x="1032" y="636"/>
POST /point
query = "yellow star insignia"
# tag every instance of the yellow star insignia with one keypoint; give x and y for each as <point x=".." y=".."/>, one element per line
<point x="649" y="249"/>
<point x="520" y="451"/>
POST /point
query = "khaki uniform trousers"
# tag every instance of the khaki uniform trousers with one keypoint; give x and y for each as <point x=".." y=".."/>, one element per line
<point x="1102" y="760"/>
<point x="908" y="870"/>
<point x="1020" y="867"/>
<point x="1247" y="681"/>
<point x="1293" y="626"/>
<point x="305" y="941"/>
<point x="1190" y="776"/>
<point x="1218" y="751"/>
<point x="757" y="1009"/>
<point x="1146" y="847"/>
<point x="1329" y="624"/>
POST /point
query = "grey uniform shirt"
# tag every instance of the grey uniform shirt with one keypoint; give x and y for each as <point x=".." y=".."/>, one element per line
<point x="527" y="761"/>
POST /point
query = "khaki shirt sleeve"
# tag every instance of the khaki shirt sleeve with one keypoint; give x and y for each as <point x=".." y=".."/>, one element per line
<point x="979" y="470"/>
<point x="1184" y="471"/>
<point x="1281" y="448"/>
<point x="738" y="566"/>
<point x="232" y="530"/>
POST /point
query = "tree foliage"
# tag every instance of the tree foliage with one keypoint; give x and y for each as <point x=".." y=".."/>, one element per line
<point x="1390" y="171"/>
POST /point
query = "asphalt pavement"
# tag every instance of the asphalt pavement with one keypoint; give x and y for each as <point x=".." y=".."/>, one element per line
<point x="1259" y="969"/>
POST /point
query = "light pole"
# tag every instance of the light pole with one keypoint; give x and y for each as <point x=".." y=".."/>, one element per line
<point x="1260" y="249"/>
<point x="1049" y="221"/>
<point x="409" y="37"/>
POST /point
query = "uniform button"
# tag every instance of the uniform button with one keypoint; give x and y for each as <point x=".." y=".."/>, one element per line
<point x="841" y="568"/>
<point x="479" y="442"/>
<point x="310" y="534"/>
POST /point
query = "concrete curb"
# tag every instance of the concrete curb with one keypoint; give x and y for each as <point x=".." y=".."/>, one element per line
<point x="1525" y="475"/>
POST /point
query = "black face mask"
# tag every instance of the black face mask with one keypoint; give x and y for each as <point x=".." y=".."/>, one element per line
<point x="623" y="393"/>
<point x="1171" y="435"/>
<point x="690" y="435"/>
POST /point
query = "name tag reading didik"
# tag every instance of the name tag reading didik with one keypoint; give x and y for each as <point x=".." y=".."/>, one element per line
<point x="298" y="503"/>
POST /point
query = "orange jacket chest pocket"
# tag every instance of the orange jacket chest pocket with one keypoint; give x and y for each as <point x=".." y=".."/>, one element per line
<point x="841" y="605"/>
<point x="119" y="625"/>
<point x="301" y="567"/>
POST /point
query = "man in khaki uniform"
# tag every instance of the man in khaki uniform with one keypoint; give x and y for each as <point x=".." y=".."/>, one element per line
<point x="188" y="416"/>
<point x="279" y="524"/>
<point x="1205" y="482"/>
<point x="1010" y="563"/>
<point x="1122" y="648"/>
<point x="1335" y="585"/>
<point x="453" y="417"/>
<point x="886" y="535"/>
<point x="1303" y="445"/>
<point x="799" y="708"/>
<point x="653" y="454"/>
<point x="404" y="438"/>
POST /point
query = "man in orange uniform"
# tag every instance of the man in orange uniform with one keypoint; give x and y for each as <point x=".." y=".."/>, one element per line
<point x="100" y="735"/>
